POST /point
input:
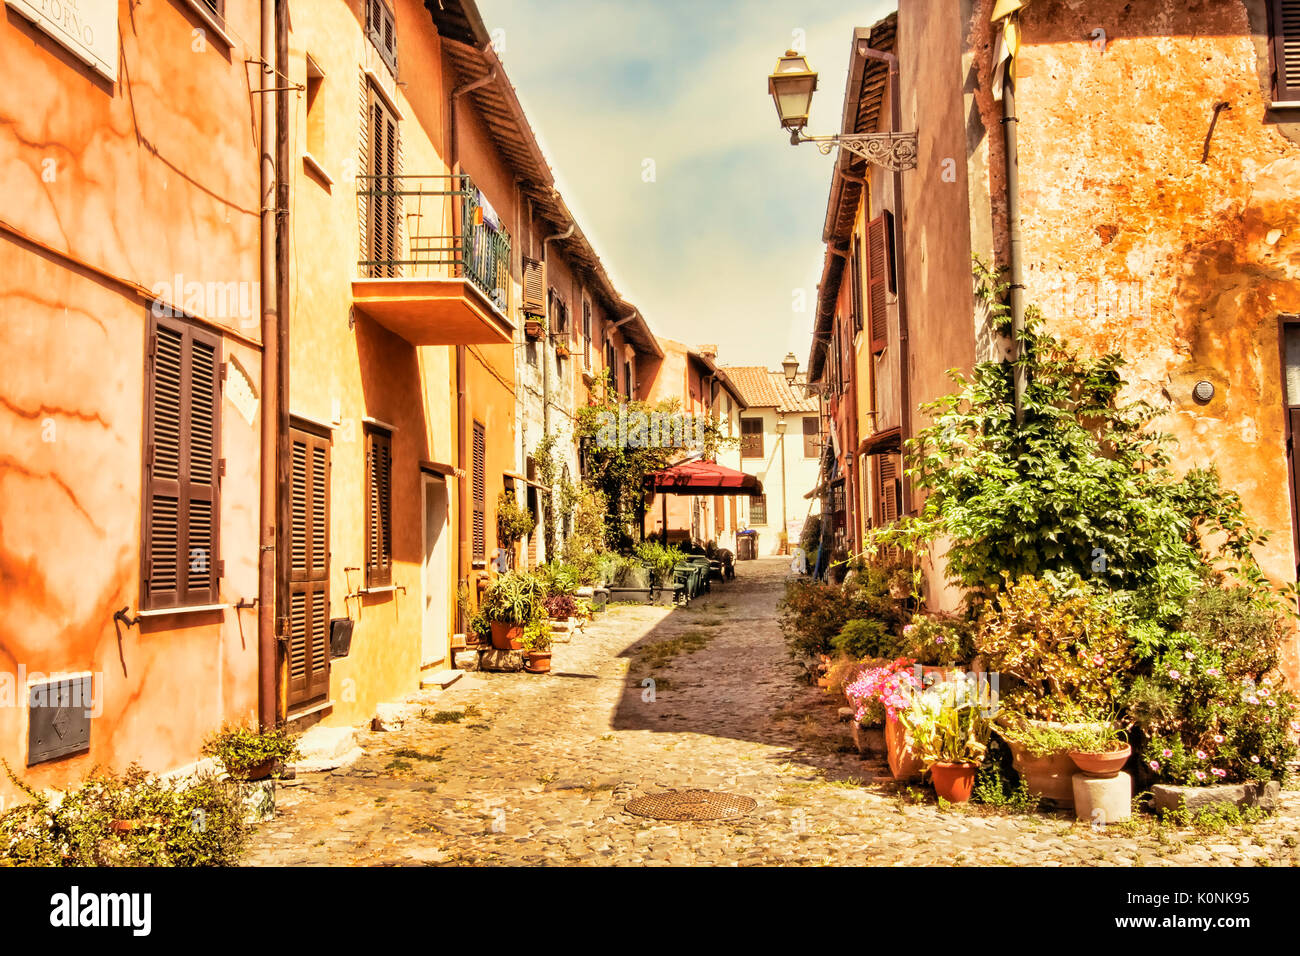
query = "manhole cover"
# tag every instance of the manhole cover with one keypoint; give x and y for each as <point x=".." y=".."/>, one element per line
<point x="691" y="805"/>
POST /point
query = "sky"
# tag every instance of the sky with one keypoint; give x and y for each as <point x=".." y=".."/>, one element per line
<point x="655" y="117"/>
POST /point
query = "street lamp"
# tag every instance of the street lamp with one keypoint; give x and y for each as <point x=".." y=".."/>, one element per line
<point x="790" y="366"/>
<point x="792" y="85"/>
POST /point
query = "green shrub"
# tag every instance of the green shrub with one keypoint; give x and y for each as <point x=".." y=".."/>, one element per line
<point x="240" y="749"/>
<point x="861" y="638"/>
<point x="131" y="820"/>
<point x="938" y="639"/>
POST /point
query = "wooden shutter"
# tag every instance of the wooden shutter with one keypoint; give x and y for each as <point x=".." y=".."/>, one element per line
<point x="1284" y="26"/>
<point x="751" y="438"/>
<point x="309" y="639"/>
<point x="381" y="26"/>
<point x="811" y="434"/>
<point x="379" y="509"/>
<point x="855" y="281"/>
<point x="479" y="493"/>
<point x="888" y="488"/>
<point x="878" y="282"/>
<point x="180" y="564"/>
<point x="384" y="206"/>
<point x="586" y="334"/>
<point x="534" y="284"/>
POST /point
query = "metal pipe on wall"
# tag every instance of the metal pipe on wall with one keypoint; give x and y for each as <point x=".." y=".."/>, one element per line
<point x="283" y="454"/>
<point x="267" y="658"/>
<point x="1015" y="239"/>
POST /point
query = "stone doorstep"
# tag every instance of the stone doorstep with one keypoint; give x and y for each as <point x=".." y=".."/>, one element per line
<point x="1264" y="796"/>
<point x="441" y="679"/>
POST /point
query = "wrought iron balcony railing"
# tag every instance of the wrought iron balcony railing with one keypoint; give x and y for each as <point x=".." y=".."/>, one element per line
<point x="432" y="227"/>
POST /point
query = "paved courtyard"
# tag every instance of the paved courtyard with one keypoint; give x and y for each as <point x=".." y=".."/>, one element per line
<point x="525" y="769"/>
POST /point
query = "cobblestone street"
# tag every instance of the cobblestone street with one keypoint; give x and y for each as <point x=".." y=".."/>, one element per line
<point x="525" y="769"/>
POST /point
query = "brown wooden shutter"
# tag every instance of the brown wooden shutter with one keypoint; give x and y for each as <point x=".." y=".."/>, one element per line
<point x="381" y="26"/>
<point x="855" y="281"/>
<point x="586" y="334"/>
<point x="180" y="563"/>
<point x="379" y="509"/>
<point x="534" y="287"/>
<point x="384" y="215"/>
<point x="308" y="568"/>
<point x="479" y="493"/>
<point x="751" y="438"/>
<point x="877" y="283"/>
<point x="887" y="485"/>
<point x="811" y="434"/>
<point x="1284" y="23"/>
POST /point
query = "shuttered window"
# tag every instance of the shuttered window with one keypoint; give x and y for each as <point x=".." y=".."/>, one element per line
<point x="855" y="281"/>
<point x="880" y="280"/>
<point x="309" y="555"/>
<point x="384" y="206"/>
<point x="479" y="493"/>
<point x="758" y="509"/>
<point x="1284" y="29"/>
<point x="586" y="334"/>
<point x="888" y="488"/>
<point x="751" y="438"/>
<point x="179" y="557"/>
<point x="379" y="508"/>
<point x="811" y="434"/>
<point x="381" y="27"/>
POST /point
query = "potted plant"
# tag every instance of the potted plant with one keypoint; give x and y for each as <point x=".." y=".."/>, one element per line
<point x="513" y="520"/>
<point x="509" y="604"/>
<point x="247" y="753"/>
<point x="1099" y="751"/>
<point x="533" y="327"/>
<point x="949" y="725"/>
<point x="889" y="685"/>
<point x="537" y="645"/>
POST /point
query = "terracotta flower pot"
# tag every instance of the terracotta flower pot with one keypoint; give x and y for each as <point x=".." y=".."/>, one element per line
<point x="507" y="637"/>
<point x="953" y="781"/>
<point x="539" y="662"/>
<point x="1049" y="776"/>
<point x="904" y="763"/>
<point x="256" y="772"/>
<point x="1106" y="764"/>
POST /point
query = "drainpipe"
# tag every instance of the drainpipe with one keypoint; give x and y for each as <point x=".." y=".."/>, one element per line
<point x="904" y="352"/>
<point x="283" y="453"/>
<point x="465" y="558"/>
<point x="1011" y="133"/>
<point x="267" y="658"/>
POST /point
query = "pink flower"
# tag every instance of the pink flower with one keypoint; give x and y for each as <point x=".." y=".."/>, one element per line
<point x="1254" y="758"/>
<point x="1154" y="765"/>
<point x="1263" y="692"/>
<point x="1099" y="660"/>
<point x="1174" y="674"/>
<point x="1200" y="755"/>
<point x="1212" y="671"/>
<point x="1218" y="738"/>
<point x="1271" y="702"/>
<point x="1189" y="655"/>
<point x="1219" y="773"/>
<point x="1200" y="775"/>
<point x="1167" y="752"/>
<point x="1295" y="725"/>
<point x="1252" y="699"/>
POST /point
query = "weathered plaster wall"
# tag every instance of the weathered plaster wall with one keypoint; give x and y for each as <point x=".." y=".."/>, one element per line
<point x="121" y="188"/>
<point x="1133" y="244"/>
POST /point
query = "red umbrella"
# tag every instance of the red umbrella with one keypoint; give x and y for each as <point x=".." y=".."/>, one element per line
<point x="704" y="478"/>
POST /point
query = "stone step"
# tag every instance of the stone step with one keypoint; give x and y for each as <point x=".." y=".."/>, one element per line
<point x="442" y="679"/>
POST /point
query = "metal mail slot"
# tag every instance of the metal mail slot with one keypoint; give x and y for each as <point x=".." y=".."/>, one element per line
<point x="58" y="719"/>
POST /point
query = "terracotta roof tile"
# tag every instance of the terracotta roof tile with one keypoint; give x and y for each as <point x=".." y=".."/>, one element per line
<point x="763" y="388"/>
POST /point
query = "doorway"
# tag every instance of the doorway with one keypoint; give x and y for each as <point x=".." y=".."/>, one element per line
<point x="436" y="573"/>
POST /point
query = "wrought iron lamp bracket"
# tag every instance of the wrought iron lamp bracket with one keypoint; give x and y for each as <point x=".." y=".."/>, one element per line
<point x="895" y="151"/>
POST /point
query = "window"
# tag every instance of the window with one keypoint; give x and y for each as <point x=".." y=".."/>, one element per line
<point x="811" y="436"/>
<point x="758" y="509"/>
<point x="751" y="438"/>
<point x="315" y="110"/>
<point x="384" y="214"/>
<point x="479" y="494"/>
<point x="880" y="280"/>
<point x="381" y="27"/>
<point x="888" y="489"/>
<point x="611" y="363"/>
<point x="309" y="647"/>
<point x="586" y="334"/>
<point x="855" y="281"/>
<point x="627" y="379"/>
<point x="182" y="469"/>
<point x="1284" y="36"/>
<point x="379" y="508"/>
<point x="216" y="6"/>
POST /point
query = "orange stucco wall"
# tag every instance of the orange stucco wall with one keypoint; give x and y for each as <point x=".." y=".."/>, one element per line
<point x="112" y="191"/>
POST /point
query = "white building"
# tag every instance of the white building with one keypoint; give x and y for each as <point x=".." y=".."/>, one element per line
<point x="779" y="443"/>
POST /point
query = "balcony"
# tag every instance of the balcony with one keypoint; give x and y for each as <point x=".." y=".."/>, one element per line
<point x="435" y="266"/>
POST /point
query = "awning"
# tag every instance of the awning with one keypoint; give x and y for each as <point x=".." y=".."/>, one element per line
<point x="704" y="478"/>
<point x="888" y="441"/>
